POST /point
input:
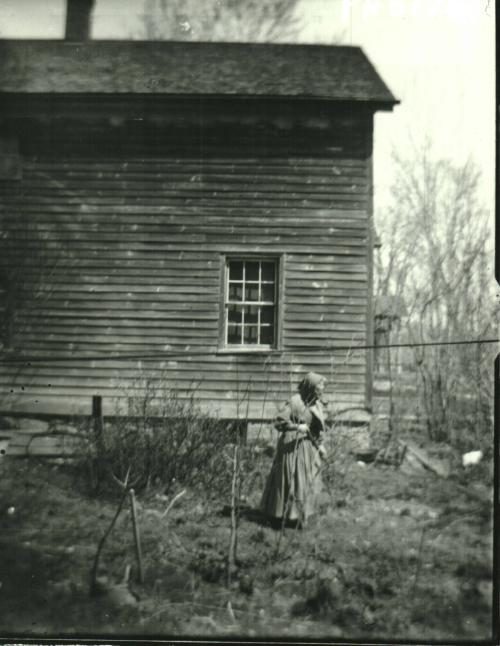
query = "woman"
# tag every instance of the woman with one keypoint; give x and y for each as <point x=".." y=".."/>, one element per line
<point x="294" y="481"/>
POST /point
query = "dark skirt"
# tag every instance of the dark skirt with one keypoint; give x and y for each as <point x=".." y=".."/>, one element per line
<point x="294" y="482"/>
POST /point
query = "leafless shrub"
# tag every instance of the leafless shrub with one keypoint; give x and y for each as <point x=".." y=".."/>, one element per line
<point x="435" y="259"/>
<point x="166" y="438"/>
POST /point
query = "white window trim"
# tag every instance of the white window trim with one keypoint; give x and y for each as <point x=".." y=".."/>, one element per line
<point x="278" y="260"/>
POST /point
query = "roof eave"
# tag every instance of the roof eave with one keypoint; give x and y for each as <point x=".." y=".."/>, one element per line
<point x="373" y="104"/>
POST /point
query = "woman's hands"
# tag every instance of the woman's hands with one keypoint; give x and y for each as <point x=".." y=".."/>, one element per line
<point x="304" y="428"/>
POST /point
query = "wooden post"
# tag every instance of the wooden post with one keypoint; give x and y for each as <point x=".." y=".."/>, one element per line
<point x="231" y="560"/>
<point x="98" y="428"/>
<point x="96" y="408"/>
<point x="98" y="420"/>
<point x="137" y="538"/>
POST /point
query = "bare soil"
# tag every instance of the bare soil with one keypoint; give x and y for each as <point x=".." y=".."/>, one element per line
<point x="391" y="555"/>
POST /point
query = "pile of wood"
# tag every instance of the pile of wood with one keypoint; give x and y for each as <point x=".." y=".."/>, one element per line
<point x="29" y="437"/>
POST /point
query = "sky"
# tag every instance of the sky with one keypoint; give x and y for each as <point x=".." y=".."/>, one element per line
<point x="437" y="57"/>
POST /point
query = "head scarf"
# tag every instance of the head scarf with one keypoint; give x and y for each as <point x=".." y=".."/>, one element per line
<point x="307" y="387"/>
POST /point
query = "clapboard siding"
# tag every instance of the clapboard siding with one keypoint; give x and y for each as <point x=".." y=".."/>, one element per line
<point x="133" y="220"/>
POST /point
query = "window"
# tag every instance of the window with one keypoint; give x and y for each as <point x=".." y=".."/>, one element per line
<point x="250" y="302"/>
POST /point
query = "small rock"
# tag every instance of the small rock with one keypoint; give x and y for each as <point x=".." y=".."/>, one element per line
<point x="471" y="458"/>
<point x="11" y="511"/>
<point x="120" y="595"/>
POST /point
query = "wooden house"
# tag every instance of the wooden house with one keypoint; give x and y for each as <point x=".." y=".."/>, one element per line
<point x="201" y="211"/>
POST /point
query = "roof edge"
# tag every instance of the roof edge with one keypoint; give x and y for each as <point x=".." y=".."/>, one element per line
<point x="165" y="42"/>
<point x="372" y="105"/>
<point x="342" y="73"/>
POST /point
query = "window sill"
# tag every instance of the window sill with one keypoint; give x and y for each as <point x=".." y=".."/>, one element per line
<point x="260" y="349"/>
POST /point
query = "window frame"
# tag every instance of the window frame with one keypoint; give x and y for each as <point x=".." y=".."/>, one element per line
<point x="278" y="260"/>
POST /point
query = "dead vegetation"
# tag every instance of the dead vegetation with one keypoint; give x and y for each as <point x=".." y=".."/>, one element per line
<point x="391" y="554"/>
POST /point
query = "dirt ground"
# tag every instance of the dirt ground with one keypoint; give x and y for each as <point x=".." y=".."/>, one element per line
<point x="391" y="555"/>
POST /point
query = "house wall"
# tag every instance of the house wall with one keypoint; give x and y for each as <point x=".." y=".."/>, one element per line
<point x="117" y="229"/>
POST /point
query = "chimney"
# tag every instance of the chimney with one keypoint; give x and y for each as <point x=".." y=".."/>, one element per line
<point x="78" y="19"/>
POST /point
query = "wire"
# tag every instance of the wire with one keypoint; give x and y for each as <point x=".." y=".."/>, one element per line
<point x="157" y="356"/>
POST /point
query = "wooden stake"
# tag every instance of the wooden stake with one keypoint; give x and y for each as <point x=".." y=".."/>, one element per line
<point x="137" y="538"/>
<point x="231" y="560"/>
<point x="98" y="423"/>
<point x="179" y="495"/>
<point x="93" y="574"/>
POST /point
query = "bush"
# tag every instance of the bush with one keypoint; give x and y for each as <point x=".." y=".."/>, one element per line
<point x="165" y="441"/>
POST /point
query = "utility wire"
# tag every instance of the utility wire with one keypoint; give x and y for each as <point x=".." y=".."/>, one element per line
<point x="168" y="354"/>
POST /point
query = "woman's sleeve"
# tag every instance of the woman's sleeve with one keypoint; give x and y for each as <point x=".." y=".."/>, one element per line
<point x="283" y="421"/>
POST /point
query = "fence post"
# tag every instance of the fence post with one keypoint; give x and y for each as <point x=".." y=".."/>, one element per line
<point x="98" y="419"/>
<point x="98" y="427"/>
<point x="137" y="536"/>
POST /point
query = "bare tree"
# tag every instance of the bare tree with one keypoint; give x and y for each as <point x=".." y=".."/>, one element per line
<point x="219" y="20"/>
<point x="436" y="257"/>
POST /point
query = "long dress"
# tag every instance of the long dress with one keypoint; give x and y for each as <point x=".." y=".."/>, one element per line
<point x="294" y="482"/>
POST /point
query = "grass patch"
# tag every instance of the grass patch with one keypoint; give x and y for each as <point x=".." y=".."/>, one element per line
<point x="390" y="556"/>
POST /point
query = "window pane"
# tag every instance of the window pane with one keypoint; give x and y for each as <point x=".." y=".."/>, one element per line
<point x="234" y="334"/>
<point x="251" y="292"/>
<point x="268" y="293"/>
<point x="236" y="270"/>
<point x="267" y="315"/>
<point x="235" y="291"/>
<point x="252" y="271"/>
<point x="268" y="271"/>
<point x="250" y="282"/>
<point x="250" y="334"/>
<point x="234" y="314"/>
<point x="267" y="335"/>
<point x="251" y="314"/>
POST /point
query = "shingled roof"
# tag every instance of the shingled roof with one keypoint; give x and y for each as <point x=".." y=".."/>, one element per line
<point x="187" y="68"/>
